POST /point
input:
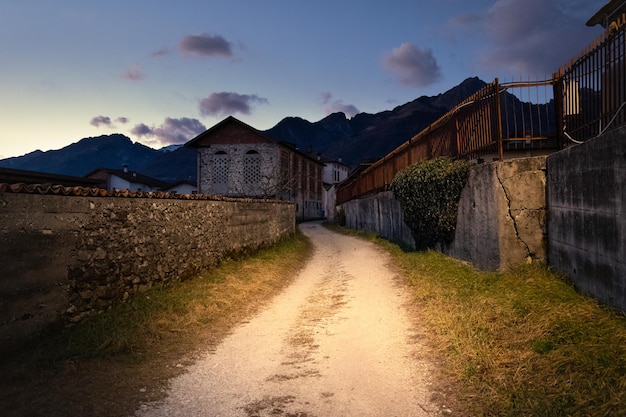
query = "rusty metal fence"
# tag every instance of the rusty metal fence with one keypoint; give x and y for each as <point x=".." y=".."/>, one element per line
<point x="494" y="120"/>
<point x="593" y="87"/>
<point x="579" y="102"/>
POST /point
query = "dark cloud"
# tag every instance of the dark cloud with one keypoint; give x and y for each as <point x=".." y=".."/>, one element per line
<point x="206" y="45"/>
<point x="413" y="66"/>
<point x="106" y="121"/>
<point x="101" y="120"/>
<point x="172" y="131"/>
<point x="142" y="129"/>
<point x="338" y="106"/>
<point x="134" y="73"/>
<point x="528" y="37"/>
<point x="226" y="103"/>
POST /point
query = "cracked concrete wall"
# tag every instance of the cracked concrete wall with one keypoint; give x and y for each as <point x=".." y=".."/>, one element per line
<point x="502" y="215"/>
<point x="587" y="222"/>
<point x="501" y="221"/>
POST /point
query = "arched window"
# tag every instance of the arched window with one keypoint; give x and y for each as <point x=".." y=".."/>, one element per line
<point x="221" y="164"/>
<point x="252" y="168"/>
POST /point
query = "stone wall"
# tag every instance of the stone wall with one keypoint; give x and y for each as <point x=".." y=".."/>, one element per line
<point x="69" y="256"/>
<point x="501" y="221"/>
<point x="587" y="222"/>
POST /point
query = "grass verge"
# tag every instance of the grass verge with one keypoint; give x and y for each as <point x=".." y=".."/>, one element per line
<point x="519" y="343"/>
<point x="108" y="363"/>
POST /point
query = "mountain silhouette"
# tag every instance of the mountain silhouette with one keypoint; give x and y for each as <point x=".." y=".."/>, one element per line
<point x="365" y="136"/>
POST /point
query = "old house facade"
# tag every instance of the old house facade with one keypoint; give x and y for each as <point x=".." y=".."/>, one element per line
<point x="237" y="160"/>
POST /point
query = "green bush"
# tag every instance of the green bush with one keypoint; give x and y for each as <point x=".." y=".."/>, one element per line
<point x="429" y="194"/>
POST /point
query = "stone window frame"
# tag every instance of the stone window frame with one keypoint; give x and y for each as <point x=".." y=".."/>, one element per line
<point x="220" y="168"/>
<point x="252" y="167"/>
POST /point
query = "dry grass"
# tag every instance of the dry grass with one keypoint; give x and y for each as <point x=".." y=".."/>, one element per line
<point x="110" y="362"/>
<point x="521" y="343"/>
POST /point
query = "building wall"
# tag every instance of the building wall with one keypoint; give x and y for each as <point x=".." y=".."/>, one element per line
<point x="67" y="257"/>
<point x="587" y="223"/>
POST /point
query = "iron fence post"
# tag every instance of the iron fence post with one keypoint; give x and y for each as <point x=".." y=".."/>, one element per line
<point x="557" y="88"/>
<point x="498" y="115"/>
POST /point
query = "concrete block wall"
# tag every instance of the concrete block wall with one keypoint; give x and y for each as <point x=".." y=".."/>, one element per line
<point x="65" y="257"/>
<point x="381" y="214"/>
<point x="587" y="222"/>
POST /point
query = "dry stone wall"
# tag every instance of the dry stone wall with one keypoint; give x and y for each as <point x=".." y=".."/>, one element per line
<point x="68" y="257"/>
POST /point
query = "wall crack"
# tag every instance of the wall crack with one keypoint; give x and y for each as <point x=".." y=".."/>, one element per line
<point x="529" y="253"/>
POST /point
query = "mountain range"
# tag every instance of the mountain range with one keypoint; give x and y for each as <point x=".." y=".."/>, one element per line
<point x="365" y="136"/>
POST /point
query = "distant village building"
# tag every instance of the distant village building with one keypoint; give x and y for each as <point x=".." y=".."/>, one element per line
<point x="237" y="160"/>
<point x="125" y="179"/>
<point x="334" y="172"/>
<point x="182" y="187"/>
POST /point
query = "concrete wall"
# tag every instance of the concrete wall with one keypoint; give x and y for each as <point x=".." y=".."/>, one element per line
<point x="587" y="222"/>
<point x="501" y="221"/>
<point x="502" y="215"/>
<point x="68" y="257"/>
<point x="381" y="214"/>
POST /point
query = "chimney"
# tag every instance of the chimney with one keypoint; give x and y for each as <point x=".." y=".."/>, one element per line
<point x="125" y="167"/>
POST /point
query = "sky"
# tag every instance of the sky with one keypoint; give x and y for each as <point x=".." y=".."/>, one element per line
<point x="161" y="72"/>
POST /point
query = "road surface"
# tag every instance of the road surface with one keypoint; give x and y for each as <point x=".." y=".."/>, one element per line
<point x="339" y="341"/>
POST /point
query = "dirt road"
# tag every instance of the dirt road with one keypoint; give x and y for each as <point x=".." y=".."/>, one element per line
<point x="337" y="342"/>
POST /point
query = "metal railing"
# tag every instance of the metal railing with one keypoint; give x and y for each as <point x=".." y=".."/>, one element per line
<point x="491" y="121"/>
<point x="581" y="101"/>
<point x="593" y="86"/>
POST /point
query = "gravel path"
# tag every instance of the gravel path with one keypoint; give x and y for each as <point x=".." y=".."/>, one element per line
<point x="338" y="342"/>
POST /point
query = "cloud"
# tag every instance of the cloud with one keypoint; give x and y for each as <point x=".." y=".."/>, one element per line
<point x="106" y="121"/>
<point x="527" y="37"/>
<point x="101" y="120"/>
<point x="337" y="106"/>
<point x="134" y="74"/>
<point x="206" y="45"/>
<point x="160" y="52"/>
<point x="413" y="66"/>
<point x="172" y="131"/>
<point x="226" y="103"/>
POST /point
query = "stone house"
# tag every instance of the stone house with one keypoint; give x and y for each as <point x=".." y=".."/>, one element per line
<point x="237" y="160"/>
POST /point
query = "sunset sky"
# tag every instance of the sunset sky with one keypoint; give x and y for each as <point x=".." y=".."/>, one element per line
<point x="161" y="72"/>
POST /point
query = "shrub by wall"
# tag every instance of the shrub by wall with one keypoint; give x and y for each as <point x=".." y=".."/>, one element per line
<point x="429" y="194"/>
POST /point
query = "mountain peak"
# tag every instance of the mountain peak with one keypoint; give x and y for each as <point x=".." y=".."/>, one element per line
<point x="363" y="136"/>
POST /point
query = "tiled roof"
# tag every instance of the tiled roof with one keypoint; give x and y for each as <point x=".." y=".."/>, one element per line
<point x="132" y="177"/>
<point x="14" y="176"/>
<point x="52" y="189"/>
